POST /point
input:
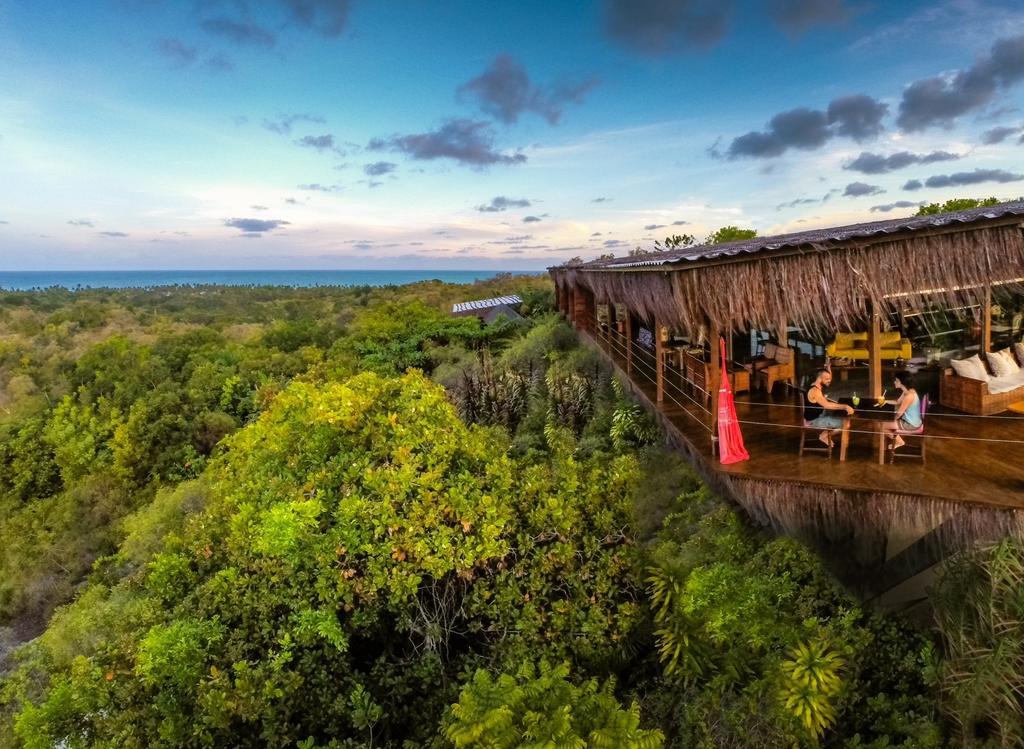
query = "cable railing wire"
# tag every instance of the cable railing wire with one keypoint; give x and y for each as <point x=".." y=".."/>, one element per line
<point x="653" y="381"/>
<point x="681" y="405"/>
<point x="651" y="365"/>
<point x="647" y="361"/>
<point x="682" y="375"/>
<point x="665" y="381"/>
<point x="776" y="425"/>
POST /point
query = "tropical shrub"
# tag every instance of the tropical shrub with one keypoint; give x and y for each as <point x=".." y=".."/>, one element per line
<point x="484" y="396"/>
<point x="979" y="607"/>
<point x="538" y="706"/>
<point x="356" y="536"/>
<point x="570" y="398"/>
<point x="810" y="683"/>
<point x="762" y="647"/>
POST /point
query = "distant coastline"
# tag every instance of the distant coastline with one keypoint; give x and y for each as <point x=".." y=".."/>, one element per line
<point x="135" y="279"/>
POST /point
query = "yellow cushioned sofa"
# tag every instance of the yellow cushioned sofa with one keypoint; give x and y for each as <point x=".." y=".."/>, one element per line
<point x="855" y="346"/>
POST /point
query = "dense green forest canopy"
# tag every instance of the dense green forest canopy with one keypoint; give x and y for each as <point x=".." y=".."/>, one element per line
<point x="311" y="518"/>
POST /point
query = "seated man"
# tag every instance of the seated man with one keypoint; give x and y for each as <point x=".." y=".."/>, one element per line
<point x="819" y="410"/>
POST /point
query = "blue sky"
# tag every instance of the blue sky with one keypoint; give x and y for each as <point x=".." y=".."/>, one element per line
<point x="415" y="134"/>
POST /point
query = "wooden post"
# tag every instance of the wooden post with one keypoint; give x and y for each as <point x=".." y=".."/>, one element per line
<point x="579" y="308"/>
<point x="986" y="321"/>
<point x="588" y="313"/>
<point x="782" y="333"/>
<point x="715" y="370"/>
<point x="607" y="330"/>
<point x="875" y="355"/>
<point x="615" y="328"/>
<point x="659" y="363"/>
<point x="629" y="342"/>
<point x="611" y="329"/>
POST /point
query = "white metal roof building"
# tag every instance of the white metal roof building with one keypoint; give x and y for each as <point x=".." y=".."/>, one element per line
<point x="480" y="306"/>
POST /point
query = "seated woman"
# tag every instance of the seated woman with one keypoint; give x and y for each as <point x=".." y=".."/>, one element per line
<point x="818" y="409"/>
<point x="908" y="410"/>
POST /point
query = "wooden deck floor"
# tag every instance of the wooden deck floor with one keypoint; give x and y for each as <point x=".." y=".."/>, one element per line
<point x="960" y="465"/>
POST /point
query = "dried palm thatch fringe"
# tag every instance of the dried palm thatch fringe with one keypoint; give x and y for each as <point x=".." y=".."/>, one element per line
<point x="818" y="288"/>
<point x="799" y="509"/>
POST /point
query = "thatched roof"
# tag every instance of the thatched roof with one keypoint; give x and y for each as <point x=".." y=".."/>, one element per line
<point x="818" y="239"/>
<point x="821" y="279"/>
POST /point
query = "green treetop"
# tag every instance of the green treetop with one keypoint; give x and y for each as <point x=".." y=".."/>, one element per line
<point x="956" y="204"/>
<point x="730" y="234"/>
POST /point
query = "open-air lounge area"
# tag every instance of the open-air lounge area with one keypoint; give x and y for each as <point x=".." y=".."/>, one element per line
<point x="789" y="307"/>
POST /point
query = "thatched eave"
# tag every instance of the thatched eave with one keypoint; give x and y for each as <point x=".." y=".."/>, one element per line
<point x="827" y="280"/>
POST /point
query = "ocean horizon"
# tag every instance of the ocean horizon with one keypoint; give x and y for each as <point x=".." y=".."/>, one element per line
<point x="139" y="279"/>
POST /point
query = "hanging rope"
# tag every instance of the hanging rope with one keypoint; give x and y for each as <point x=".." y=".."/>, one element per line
<point x="776" y="425"/>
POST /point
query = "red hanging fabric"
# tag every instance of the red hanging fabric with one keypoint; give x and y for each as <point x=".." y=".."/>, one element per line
<point x="730" y="440"/>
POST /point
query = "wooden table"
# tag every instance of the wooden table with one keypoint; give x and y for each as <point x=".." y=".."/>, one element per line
<point x="739" y="377"/>
<point x="866" y="417"/>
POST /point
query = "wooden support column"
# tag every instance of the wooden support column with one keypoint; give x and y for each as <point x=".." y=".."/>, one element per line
<point x="608" y="331"/>
<point x="579" y="308"/>
<point x="659" y="363"/>
<point x="715" y="370"/>
<point x="629" y="342"/>
<point x="875" y="355"/>
<point x="613" y="331"/>
<point x="986" y="322"/>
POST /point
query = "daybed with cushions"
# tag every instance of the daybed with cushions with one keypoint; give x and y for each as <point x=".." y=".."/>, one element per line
<point x="855" y="346"/>
<point x="972" y="387"/>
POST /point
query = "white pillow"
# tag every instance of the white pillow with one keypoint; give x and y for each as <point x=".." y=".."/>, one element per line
<point x="1001" y="364"/>
<point x="1007" y="353"/>
<point x="1019" y="349"/>
<point x="971" y="368"/>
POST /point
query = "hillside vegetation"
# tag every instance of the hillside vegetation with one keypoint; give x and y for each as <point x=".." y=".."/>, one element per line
<point x="342" y="518"/>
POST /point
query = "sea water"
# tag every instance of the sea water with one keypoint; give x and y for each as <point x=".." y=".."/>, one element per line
<point x="122" y="279"/>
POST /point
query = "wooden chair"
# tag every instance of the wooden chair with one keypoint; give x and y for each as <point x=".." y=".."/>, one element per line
<point x="816" y="446"/>
<point x="762" y="339"/>
<point x="916" y="433"/>
<point x="698" y="376"/>
<point x="675" y="366"/>
<point x="778" y="365"/>
<point x="687" y="362"/>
